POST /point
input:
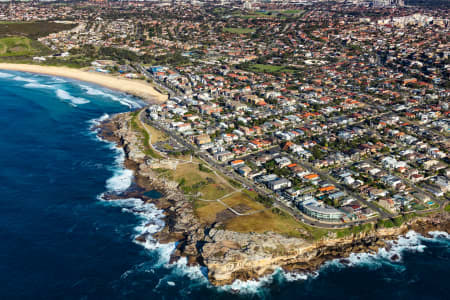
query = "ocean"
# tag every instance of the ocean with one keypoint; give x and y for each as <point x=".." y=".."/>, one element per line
<point x="60" y="240"/>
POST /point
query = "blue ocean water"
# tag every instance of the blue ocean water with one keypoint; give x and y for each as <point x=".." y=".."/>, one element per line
<point x="58" y="240"/>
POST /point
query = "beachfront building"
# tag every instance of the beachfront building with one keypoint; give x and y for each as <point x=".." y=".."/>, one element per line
<point x="322" y="213"/>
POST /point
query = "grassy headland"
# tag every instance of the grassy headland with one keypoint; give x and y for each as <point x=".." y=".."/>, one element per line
<point x="19" y="40"/>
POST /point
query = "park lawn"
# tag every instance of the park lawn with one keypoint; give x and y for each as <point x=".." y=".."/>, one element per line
<point x="238" y="30"/>
<point x="269" y="68"/>
<point x="266" y="221"/>
<point x="447" y="208"/>
<point x="242" y="198"/>
<point x="207" y="211"/>
<point x="192" y="180"/>
<point x="16" y="46"/>
<point x="256" y="14"/>
<point x="190" y="173"/>
<point x="156" y="135"/>
<point x="215" y="191"/>
<point x="251" y="194"/>
<point x="291" y="11"/>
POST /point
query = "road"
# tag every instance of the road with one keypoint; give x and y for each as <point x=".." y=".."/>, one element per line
<point x="155" y="81"/>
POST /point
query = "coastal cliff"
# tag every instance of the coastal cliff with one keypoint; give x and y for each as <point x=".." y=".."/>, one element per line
<point x="230" y="255"/>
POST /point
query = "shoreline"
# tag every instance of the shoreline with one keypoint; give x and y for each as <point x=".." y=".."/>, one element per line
<point x="243" y="256"/>
<point x="134" y="87"/>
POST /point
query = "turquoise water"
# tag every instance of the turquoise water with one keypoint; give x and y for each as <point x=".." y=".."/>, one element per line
<point x="59" y="240"/>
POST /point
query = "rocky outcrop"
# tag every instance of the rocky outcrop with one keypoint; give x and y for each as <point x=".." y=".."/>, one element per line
<point x="232" y="255"/>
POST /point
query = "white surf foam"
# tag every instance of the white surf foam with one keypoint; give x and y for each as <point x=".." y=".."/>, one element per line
<point x="152" y="222"/>
<point x="440" y="235"/>
<point x="290" y="276"/>
<point x="98" y="121"/>
<point x="181" y="268"/>
<point x="5" y="75"/>
<point x="66" y="96"/>
<point x="122" y="178"/>
<point x="25" y="79"/>
<point x="392" y="255"/>
<point x="121" y="181"/>
<point x="37" y="85"/>
<point x="100" y="92"/>
<point x="251" y="287"/>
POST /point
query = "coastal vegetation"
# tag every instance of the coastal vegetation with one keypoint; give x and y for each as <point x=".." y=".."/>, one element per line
<point x="396" y="221"/>
<point x="17" y="46"/>
<point x="32" y="30"/>
<point x="137" y="126"/>
<point x="354" y="230"/>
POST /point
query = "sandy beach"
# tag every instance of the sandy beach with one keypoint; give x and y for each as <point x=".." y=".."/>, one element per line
<point x="137" y="88"/>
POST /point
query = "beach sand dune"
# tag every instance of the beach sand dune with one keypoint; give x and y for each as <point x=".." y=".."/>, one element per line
<point x="134" y="87"/>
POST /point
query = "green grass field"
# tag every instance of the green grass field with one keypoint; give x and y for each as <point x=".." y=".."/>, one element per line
<point x="18" y="40"/>
<point x="291" y="11"/>
<point x="238" y="30"/>
<point x="269" y="69"/>
<point x="16" y="46"/>
<point x="254" y="15"/>
<point x="281" y="14"/>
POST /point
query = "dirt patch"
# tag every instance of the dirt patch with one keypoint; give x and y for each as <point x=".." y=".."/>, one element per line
<point x="224" y="216"/>
<point x="241" y="208"/>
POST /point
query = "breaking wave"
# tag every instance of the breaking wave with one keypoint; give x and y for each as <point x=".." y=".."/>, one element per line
<point x="132" y="104"/>
<point x="66" y="96"/>
<point x="391" y="255"/>
<point x="37" y="85"/>
<point x="98" y="121"/>
<point x="20" y="78"/>
<point x="33" y="82"/>
<point x="122" y="178"/>
<point x="5" y="75"/>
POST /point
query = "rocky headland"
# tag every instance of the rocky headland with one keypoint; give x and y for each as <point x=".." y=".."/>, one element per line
<point x="230" y="255"/>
